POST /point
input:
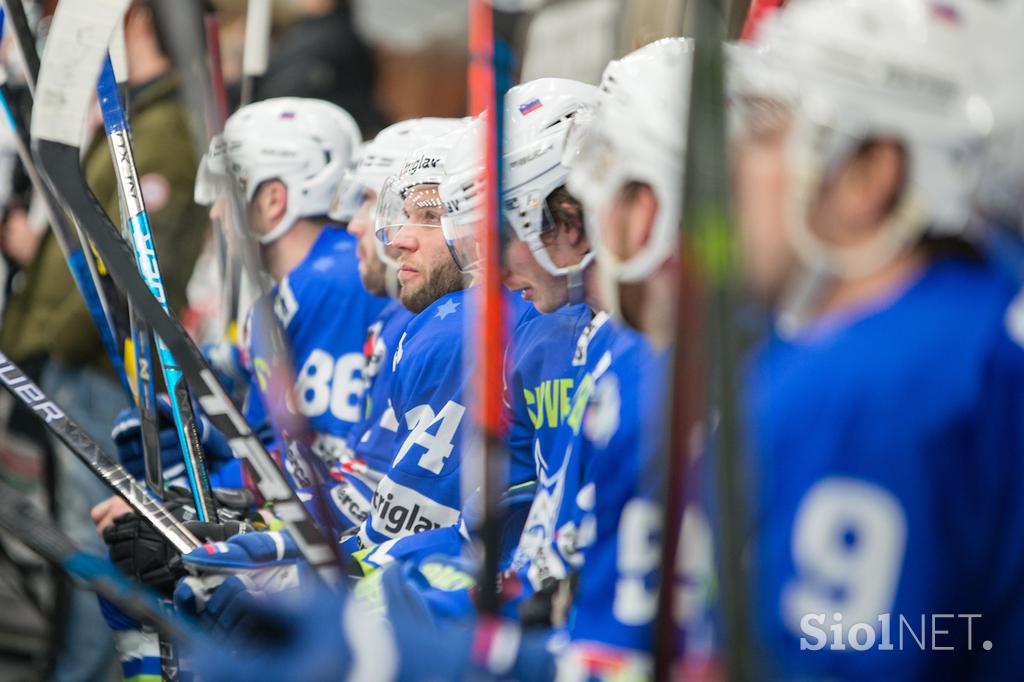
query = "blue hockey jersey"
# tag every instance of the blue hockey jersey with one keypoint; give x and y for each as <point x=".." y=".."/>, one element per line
<point x="888" y="448"/>
<point x="540" y="378"/>
<point x="370" y="440"/>
<point x="365" y="437"/>
<point x="546" y="548"/>
<point x="422" y="488"/>
<point x="325" y="312"/>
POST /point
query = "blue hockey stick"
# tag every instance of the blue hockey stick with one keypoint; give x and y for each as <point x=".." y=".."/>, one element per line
<point x="145" y="254"/>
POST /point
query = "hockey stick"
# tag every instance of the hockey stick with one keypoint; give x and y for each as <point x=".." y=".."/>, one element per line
<point x="278" y="378"/>
<point x="707" y="247"/>
<point x="113" y="334"/>
<point x="145" y="391"/>
<point x="78" y="41"/>
<point x="24" y="521"/>
<point x="79" y="442"/>
<point x="491" y="58"/>
<point x="83" y="269"/>
<point x="145" y="253"/>
<point x="194" y="46"/>
<point x="257" y="46"/>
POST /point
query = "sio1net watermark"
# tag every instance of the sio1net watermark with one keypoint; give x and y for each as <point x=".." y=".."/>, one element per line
<point x="934" y="632"/>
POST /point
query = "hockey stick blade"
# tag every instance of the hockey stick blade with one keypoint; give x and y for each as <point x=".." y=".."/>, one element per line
<point x="86" y="449"/>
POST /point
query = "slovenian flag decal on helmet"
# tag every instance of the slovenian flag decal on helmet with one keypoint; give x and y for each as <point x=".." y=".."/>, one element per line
<point x="532" y="105"/>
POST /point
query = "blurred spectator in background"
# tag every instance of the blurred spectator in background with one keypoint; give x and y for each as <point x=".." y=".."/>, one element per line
<point x="46" y="323"/>
<point x="420" y="49"/>
<point x="319" y="55"/>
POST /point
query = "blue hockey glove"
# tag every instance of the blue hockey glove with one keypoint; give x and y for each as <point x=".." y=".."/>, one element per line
<point x="127" y="435"/>
<point x="300" y="636"/>
<point x="226" y="578"/>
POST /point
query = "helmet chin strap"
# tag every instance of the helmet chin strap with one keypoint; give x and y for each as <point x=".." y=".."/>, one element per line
<point x="574" y="279"/>
<point x="287" y="223"/>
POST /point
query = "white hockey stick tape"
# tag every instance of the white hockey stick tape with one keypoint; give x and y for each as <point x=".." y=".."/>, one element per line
<point x="257" y="38"/>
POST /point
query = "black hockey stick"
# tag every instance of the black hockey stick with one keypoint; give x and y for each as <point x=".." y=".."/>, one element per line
<point x="24" y="521"/>
<point x="77" y="45"/>
<point x="706" y="356"/>
<point x="86" y="449"/>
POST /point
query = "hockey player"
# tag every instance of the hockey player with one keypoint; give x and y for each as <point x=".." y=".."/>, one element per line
<point x="370" y="440"/>
<point x="421" y="490"/>
<point x="885" y="407"/>
<point x="547" y="258"/>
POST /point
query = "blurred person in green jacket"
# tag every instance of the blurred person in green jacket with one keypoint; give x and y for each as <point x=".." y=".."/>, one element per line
<point x="47" y="327"/>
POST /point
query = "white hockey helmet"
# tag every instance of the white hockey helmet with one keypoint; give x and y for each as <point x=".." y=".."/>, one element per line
<point x="410" y="198"/>
<point x="637" y="133"/>
<point x="537" y="118"/>
<point x="304" y="143"/>
<point x="850" y="72"/>
<point x="382" y="157"/>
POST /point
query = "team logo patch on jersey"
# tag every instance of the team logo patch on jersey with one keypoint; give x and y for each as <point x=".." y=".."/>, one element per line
<point x="532" y="105"/>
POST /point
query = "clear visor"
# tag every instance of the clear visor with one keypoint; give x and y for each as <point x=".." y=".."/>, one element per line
<point x="400" y="206"/>
<point x="212" y="174"/>
<point x="576" y="138"/>
<point x="209" y="185"/>
<point x="460" y="233"/>
<point x="347" y="198"/>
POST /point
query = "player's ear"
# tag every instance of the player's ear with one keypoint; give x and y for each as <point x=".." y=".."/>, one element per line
<point x="639" y="208"/>
<point x="276" y="201"/>
<point x="869" y="186"/>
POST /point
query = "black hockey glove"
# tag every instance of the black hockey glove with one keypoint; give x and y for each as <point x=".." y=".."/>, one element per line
<point x="140" y="552"/>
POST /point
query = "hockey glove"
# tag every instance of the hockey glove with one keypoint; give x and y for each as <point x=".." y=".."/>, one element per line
<point x="140" y="552"/>
<point x="127" y="435"/>
<point x="226" y="577"/>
